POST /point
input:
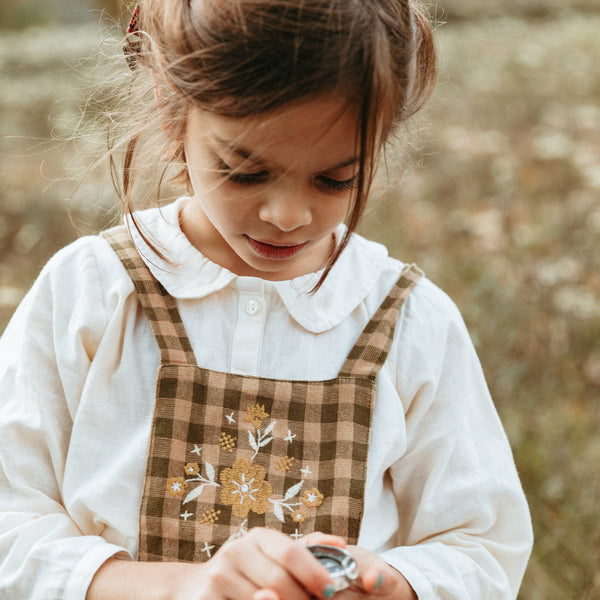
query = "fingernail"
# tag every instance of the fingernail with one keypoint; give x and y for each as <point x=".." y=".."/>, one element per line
<point x="329" y="591"/>
<point x="379" y="582"/>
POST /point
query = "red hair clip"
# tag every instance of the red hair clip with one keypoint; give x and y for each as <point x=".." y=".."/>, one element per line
<point x="133" y="45"/>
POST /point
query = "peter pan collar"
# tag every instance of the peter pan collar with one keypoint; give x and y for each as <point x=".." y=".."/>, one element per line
<point x="191" y="275"/>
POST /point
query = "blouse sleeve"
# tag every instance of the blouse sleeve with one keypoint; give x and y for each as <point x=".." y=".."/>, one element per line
<point x="43" y="553"/>
<point x="465" y="526"/>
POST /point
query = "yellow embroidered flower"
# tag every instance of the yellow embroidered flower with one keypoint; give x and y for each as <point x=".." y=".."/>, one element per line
<point x="210" y="516"/>
<point x="255" y="415"/>
<point x="284" y="463"/>
<point x="227" y="442"/>
<point x="298" y="515"/>
<point x="312" y="497"/>
<point x="244" y="488"/>
<point x="191" y="469"/>
<point x="176" y="486"/>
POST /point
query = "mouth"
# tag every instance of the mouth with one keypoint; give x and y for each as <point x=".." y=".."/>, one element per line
<point x="274" y="251"/>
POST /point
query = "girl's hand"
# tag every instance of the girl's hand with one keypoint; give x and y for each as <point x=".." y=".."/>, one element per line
<point x="377" y="578"/>
<point x="264" y="564"/>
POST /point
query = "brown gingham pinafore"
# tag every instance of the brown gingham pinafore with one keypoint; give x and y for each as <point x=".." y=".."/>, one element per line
<point x="230" y="452"/>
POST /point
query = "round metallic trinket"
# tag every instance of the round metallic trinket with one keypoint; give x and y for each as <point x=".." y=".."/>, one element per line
<point x="341" y="565"/>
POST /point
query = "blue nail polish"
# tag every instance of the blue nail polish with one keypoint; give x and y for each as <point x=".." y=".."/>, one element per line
<point x="329" y="591"/>
<point x="379" y="582"/>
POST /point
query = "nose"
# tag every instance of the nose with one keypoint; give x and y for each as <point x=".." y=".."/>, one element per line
<point x="286" y="209"/>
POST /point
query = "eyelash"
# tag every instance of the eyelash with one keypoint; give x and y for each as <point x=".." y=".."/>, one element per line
<point x="338" y="186"/>
<point x="333" y="185"/>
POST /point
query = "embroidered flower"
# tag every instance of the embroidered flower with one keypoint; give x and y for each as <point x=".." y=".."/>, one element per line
<point x="176" y="487"/>
<point x="298" y="515"/>
<point x="255" y="415"/>
<point x="210" y="516"/>
<point x="191" y="469"/>
<point x="284" y="463"/>
<point x="227" y="442"/>
<point x="312" y="497"/>
<point x="245" y="489"/>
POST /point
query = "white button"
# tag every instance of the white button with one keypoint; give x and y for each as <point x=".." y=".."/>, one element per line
<point x="253" y="306"/>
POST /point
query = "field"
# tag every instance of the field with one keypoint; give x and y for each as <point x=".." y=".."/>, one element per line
<point x="496" y="198"/>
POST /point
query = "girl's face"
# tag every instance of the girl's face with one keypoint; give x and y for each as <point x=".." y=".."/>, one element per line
<point x="270" y="190"/>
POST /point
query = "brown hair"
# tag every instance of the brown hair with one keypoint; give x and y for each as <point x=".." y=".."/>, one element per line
<point x="247" y="57"/>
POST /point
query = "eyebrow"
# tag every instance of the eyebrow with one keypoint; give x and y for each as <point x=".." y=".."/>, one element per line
<point x="251" y="156"/>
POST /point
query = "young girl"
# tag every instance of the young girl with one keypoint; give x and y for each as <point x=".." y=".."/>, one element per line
<point x="191" y="399"/>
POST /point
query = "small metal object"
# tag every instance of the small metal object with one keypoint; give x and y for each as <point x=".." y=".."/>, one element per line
<point x="341" y="565"/>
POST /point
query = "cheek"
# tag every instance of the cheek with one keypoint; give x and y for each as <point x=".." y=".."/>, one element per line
<point x="224" y="207"/>
<point x="337" y="210"/>
<point x="199" y="167"/>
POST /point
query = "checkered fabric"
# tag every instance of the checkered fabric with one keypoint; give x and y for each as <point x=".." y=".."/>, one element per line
<point x="373" y="345"/>
<point x="158" y="305"/>
<point x="230" y="452"/>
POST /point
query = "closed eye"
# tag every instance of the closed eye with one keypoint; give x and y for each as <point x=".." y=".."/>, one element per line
<point x="257" y="177"/>
<point x="242" y="178"/>
<point x="335" y="185"/>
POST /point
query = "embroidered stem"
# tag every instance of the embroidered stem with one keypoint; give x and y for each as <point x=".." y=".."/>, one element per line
<point x="192" y="468"/>
<point x="204" y="480"/>
<point x="290" y="507"/>
<point x="261" y="439"/>
<point x="280" y="504"/>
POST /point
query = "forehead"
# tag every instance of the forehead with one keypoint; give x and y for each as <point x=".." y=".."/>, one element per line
<point x="318" y="130"/>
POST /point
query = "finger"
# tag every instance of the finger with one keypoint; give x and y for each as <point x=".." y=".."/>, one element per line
<point x="373" y="581"/>
<point x="388" y="582"/>
<point x="300" y="564"/>
<point x="378" y="578"/>
<point x="325" y="539"/>
<point x="217" y="579"/>
<point x="265" y="595"/>
<point x="269" y="576"/>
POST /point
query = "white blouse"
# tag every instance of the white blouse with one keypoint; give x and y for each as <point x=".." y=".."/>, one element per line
<point x="78" y="361"/>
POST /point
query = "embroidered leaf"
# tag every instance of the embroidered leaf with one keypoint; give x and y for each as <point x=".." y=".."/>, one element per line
<point x="210" y="471"/>
<point x="270" y="428"/>
<point x="293" y="490"/>
<point x="252" y="441"/>
<point x="278" y="511"/>
<point x="193" y="494"/>
<point x="265" y="442"/>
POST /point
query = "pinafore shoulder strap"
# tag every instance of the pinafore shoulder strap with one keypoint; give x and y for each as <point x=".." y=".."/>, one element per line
<point x="372" y="348"/>
<point x="364" y="360"/>
<point x="158" y="305"/>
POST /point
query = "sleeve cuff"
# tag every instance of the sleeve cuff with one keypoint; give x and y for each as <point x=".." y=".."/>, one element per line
<point x="84" y="571"/>
<point x="422" y="586"/>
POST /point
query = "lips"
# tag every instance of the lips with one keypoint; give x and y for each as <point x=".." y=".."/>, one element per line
<point x="274" y="251"/>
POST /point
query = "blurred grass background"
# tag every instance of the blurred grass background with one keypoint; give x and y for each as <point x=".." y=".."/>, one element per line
<point x="502" y="211"/>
